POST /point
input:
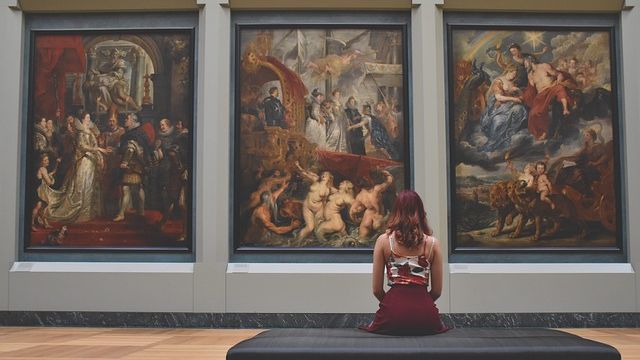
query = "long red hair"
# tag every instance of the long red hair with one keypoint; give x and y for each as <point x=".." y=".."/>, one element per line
<point x="408" y="219"/>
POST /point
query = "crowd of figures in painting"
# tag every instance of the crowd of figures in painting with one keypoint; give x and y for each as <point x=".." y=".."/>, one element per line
<point x="533" y="137"/>
<point x="110" y="164"/>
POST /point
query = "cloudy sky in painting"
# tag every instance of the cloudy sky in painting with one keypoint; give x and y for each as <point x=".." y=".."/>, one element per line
<point x="481" y="46"/>
<point x="584" y="46"/>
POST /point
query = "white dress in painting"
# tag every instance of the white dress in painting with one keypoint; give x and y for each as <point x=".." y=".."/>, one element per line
<point x="337" y="128"/>
<point x="316" y="131"/>
<point x="79" y="199"/>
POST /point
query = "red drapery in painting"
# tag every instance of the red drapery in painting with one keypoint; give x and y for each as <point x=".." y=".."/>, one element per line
<point x="352" y="166"/>
<point x="55" y="56"/>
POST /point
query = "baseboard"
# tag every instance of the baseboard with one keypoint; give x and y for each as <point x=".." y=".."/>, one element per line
<point x="302" y="320"/>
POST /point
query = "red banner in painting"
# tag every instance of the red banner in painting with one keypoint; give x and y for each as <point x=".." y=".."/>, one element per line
<point x="352" y="166"/>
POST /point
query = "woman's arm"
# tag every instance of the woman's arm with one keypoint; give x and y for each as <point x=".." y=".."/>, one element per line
<point x="436" y="271"/>
<point x="378" y="268"/>
<point x="84" y="146"/>
<point x="308" y="174"/>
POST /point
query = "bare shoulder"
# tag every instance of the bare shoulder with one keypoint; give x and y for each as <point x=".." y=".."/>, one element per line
<point x="382" y="242"/>
<point x="382" y="239"/>
<point x="436" y="242"/>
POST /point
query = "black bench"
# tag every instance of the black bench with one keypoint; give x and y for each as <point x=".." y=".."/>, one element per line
<point x="456" y="344"/>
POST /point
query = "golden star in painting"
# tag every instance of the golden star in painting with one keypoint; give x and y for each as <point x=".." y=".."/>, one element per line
<point x="534" y="38"/>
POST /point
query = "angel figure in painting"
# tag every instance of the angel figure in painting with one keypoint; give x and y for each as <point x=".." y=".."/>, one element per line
<point x="544" y="185"/>
<point x="47" y="179"/>
<point x="332" y="65"/>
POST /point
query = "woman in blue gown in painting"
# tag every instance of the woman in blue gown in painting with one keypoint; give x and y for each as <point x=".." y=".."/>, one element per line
<point x="505" y="114"/>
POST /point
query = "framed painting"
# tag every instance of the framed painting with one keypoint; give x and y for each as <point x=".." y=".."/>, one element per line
<point x="534" y="135"/>
<point x="321" y="133"/>
<point x="109" y="137"/>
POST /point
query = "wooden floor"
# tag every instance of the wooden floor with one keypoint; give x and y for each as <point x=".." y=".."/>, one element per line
<point x="98" y="343"/>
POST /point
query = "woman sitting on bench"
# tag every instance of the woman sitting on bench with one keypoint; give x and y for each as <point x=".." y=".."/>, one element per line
<point x="412" y="257"/>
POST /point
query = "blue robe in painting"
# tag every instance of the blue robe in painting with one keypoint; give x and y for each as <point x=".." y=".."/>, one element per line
<point x="499" y="123"/>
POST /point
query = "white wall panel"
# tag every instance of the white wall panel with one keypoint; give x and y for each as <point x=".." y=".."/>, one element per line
<point x="101" y="287"/>
<point x="212" y="158"/>
<point x="10" y="90"/>
<point x="631" y="86"/>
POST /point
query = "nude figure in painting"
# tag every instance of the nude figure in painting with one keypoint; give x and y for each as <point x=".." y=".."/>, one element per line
<point x="370" y="200"/>
<point x="543" y="89"/>
<point x="314" y="203"/>
<point x="262" y="226"/>
<point x="266" y="184"/>
<point x="333" y="222"/>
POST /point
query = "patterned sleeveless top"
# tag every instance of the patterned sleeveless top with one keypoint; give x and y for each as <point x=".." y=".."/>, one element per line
<point x="409" y="270"/>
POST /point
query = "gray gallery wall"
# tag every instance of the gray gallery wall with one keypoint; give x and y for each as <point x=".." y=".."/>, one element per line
<point x="212" y="285"/>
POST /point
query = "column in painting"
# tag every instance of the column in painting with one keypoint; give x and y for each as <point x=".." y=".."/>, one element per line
<point x="136" y="75"/>
<point x="180" y="74"/>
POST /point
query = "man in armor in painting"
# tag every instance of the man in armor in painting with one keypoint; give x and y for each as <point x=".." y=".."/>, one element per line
<point x="273" y="109"/>
<point x="134" y="149"/>
<point x="110" y="139"/>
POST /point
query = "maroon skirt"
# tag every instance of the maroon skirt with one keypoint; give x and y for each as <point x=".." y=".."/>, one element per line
<point x="407" y="310"/>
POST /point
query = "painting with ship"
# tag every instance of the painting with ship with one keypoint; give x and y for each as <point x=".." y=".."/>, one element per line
<point x="321" y="135"/>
